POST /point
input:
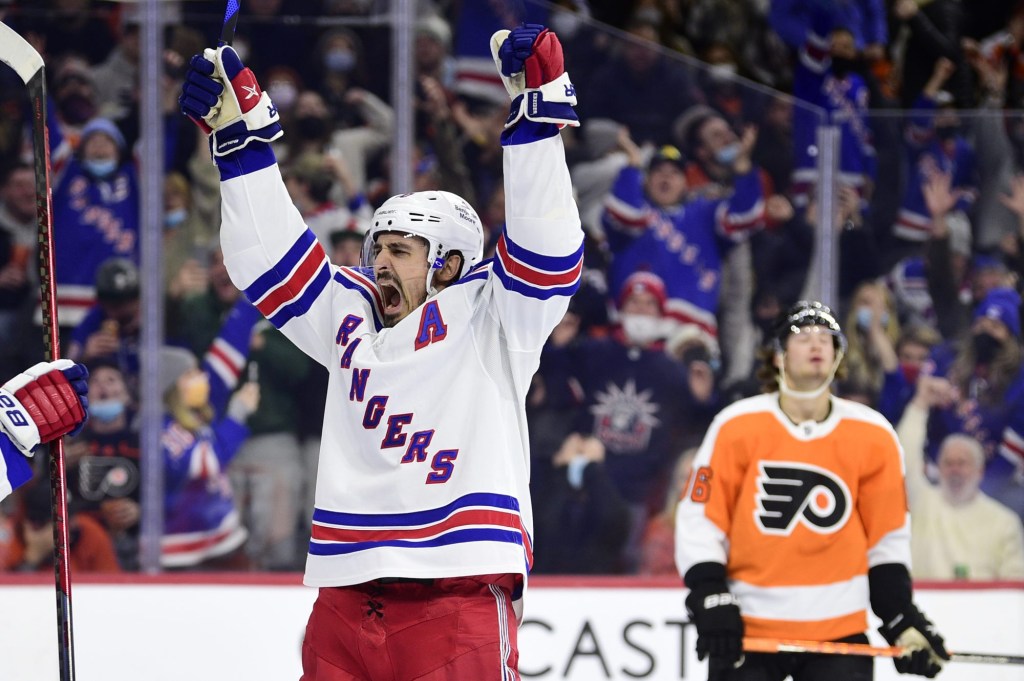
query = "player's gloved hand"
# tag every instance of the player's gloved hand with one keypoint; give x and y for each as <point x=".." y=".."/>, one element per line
<point x="223" y="98"/>
<point x="44" y="402"/>
<point x="912" y="630"/>
<point x="532" y="67"/>
<point x="716" y="614"/>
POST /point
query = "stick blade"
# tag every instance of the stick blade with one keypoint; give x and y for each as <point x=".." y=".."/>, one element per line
<point x="16" y="52"/>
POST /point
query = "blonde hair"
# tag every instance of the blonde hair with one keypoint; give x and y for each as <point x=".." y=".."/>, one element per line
<point x="863" y="367"/>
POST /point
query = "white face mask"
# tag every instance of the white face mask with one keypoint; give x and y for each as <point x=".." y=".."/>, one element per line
<point x="642" y="329"/>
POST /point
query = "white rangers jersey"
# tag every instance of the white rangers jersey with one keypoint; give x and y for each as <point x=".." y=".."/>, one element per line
<point x="424" y="461"/>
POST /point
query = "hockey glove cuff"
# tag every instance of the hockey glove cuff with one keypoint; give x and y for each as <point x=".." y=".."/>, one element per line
<point x="531" y="64"/>
<point x="224" y="99"/>
<point x="44" y="402"/>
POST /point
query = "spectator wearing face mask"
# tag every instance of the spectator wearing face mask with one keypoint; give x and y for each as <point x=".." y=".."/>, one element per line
<point x="988" y="375"/>
<point x="873" y="330"/>
<point x="651" y="224"/>
<point x="104" y="478"/>
<point x="95" y="216"/>
<point x="635" y="400"/>
<point x="913" y="350"/>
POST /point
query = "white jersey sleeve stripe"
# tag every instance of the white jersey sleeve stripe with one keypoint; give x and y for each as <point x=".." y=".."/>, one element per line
<point x="535" y="275"/>
<point x="290" y="286"/>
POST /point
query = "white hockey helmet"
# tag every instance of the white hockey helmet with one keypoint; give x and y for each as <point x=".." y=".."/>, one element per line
<point x="445" y="220"/>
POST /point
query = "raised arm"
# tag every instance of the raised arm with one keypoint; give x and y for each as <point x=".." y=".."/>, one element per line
<point x="540" y="253"/>
<point x="269" y="252"/>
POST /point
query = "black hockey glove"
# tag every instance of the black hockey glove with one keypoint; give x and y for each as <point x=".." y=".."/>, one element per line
<point x="911" y="630"/>
<point x="716" y="614"/>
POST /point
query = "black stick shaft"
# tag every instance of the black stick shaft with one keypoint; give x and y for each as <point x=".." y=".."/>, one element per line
<point x="51" y="340"/>
<point x="227" y="33"/>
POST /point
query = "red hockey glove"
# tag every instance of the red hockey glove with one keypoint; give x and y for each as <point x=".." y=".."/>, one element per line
<point x="44" y="403"/>
<point x="233" y="116"/>
<point x="531" y="64"/>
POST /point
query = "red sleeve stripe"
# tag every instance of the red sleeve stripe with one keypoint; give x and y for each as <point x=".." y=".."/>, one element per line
<point x="292" y="287"/>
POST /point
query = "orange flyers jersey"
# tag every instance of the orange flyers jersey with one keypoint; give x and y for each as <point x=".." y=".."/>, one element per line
<point x="797" y="514"/>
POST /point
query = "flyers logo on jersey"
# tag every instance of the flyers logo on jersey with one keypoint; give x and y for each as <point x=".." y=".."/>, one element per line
<point x="790" y="493"/>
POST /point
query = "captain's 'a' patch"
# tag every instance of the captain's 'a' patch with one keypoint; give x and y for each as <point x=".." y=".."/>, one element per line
<point x="789" y="493"/>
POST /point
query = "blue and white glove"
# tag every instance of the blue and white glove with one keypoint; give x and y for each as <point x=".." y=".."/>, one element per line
<point x="223" y="98"/>
<point x="531" y="64"/>
<point x="43" y="403"/>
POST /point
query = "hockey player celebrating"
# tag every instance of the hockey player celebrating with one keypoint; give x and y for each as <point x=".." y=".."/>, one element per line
<point x="795" y="519"/>
<point x="421" y="538"/>
<point x="39" y="405"/>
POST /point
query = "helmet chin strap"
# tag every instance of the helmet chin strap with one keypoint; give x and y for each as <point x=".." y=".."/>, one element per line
<point x="786" y="390"/>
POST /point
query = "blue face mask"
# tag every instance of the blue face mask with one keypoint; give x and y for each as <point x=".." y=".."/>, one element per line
<point x="864" y="318"/>
<point x="173" y="218"/>
<point x="100" y="168"/>
<point x="727" y="155"/>
<point x="106" y="411"/>
<point x="340" y="61"/>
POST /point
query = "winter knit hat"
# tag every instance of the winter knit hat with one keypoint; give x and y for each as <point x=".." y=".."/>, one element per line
<point x="173" y="363"/>
<point x="1003" y="305"/>
<point x="105" y="126"/>
<point x="644" y="281"/>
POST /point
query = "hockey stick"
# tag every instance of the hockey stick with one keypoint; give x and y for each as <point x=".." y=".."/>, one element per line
<point x="26" y="62"/>
<point x="772" y="645"/>
<point x="227" y="32"/>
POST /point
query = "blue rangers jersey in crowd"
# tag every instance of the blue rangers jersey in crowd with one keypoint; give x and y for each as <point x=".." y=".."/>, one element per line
<point x="927" y="156"/>
<point x="845" y="103"/>
<point x="93" y="220"/>
<point x="424" y="459"/>
<point x="200" y="519"/>
<point x="15" y="470"/>
<point x="684" y="245"/>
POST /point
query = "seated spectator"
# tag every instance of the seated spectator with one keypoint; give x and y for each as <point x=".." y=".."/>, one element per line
<point x="90" y="547"/>
<point x="104" y="477"/>
<point x="958" y="531"/>
<point x="583" y="520"/>
<point x="988" y="374"/>
<point x="650" y="226"/>
<point x="636" y="400"/>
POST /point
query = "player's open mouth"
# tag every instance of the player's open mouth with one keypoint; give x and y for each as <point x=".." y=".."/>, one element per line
<point x="392" y="298"/>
